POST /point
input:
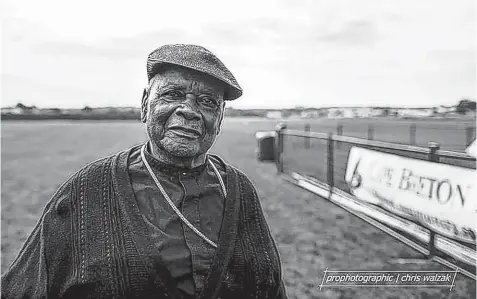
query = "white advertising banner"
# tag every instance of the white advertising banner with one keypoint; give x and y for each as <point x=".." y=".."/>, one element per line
<point x="440" y="197"/>
<point x="471" y="150"/>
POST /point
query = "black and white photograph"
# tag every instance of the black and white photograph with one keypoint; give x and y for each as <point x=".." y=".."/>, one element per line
<point x="212" y="149"/>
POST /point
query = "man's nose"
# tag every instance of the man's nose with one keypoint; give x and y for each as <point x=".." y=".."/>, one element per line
<point x="188" y="108"/>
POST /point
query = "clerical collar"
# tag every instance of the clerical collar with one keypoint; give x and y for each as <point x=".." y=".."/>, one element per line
<point x="170" y="169"/>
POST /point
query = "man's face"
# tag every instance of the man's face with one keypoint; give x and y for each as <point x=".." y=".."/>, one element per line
<point x="183" y="112"/>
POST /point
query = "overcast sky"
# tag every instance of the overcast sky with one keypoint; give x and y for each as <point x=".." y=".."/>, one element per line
<point x="58" y="53"/>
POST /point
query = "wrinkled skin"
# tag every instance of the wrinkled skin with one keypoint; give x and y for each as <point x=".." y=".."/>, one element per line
<point x="183" y="112"/>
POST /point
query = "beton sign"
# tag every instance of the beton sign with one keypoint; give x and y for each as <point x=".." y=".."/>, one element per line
<point x="440" y="197"/>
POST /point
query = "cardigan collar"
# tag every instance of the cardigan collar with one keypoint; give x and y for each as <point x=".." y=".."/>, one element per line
<point x="145" y="246"/>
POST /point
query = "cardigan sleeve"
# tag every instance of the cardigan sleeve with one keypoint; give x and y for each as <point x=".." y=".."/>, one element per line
<point x="281" y="294"/>
<point x="27" y="275"/>
<point x="43" y="265"/>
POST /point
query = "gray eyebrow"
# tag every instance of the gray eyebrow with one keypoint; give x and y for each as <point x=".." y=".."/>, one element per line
<point x="206" y="91"/>
<point x="211" y="92"/>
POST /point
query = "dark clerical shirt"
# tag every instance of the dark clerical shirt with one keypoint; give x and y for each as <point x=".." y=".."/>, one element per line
<point x="197" y="193"/>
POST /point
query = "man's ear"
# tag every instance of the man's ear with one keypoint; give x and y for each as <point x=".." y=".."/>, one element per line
<point x="145" y="96"/>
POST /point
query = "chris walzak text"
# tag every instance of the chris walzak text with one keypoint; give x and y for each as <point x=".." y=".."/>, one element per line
<point x="341" y="278"/>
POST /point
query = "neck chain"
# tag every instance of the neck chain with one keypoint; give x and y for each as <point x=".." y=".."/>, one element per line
<point x="172" y="205"/>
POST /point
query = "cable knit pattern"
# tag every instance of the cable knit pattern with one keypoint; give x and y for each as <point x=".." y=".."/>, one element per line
<point x="90" y="242"/>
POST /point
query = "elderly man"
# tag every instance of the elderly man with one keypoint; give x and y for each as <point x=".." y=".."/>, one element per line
<point x="165" y="219"/>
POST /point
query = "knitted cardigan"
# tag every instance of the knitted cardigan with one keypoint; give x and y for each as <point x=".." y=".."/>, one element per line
<point x="91" y="242"/>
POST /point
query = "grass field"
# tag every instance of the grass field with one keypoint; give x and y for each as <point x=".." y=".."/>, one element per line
<point x="312" y="234"/>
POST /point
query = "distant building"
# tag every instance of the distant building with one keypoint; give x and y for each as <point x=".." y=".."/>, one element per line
<point x="27" y="109"/>
<point x="72" y="111"/>
<point x="360" y="112"/>
<point x="347" y="112"/>
<point x="445" y="109"/>
<point x="274" y="114"/>
<point x="12" y="110"/>
<point x="392" y="112"/>
<point x="294" y="116"/>
<point x="51" y="111"/>
<point x="310" y="113"/>
<point x="415" y="112"/>
<point x="376" y="112"/>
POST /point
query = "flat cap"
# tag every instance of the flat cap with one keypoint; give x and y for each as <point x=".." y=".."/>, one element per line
<point x="196" y="58"/>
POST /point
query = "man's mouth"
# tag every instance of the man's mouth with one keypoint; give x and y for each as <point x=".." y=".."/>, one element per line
<point x="185" y="132"/>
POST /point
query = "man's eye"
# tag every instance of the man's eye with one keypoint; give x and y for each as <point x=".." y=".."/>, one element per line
<point x="208" y="101"/>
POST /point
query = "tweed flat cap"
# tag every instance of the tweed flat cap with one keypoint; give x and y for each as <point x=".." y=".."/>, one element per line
<point x="196" y="58"/>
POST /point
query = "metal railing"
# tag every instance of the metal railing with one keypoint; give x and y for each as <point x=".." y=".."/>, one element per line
<point x="432" y="153"/>
<point x="414" y="133"/>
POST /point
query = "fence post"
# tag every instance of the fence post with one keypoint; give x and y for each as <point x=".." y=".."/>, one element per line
<point x="370" y="132"/>
<point x="330" y="163"/>
<point x="307" y="139"/>
<point x="433" y="157"/>
<point x="339" y="131"/>
<point x="279" y="145"/>
<point x="469" y="135"/>
<point x="412" y="134"/>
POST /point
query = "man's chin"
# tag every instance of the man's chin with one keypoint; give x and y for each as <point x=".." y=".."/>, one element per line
<point x="181" y="147"/>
